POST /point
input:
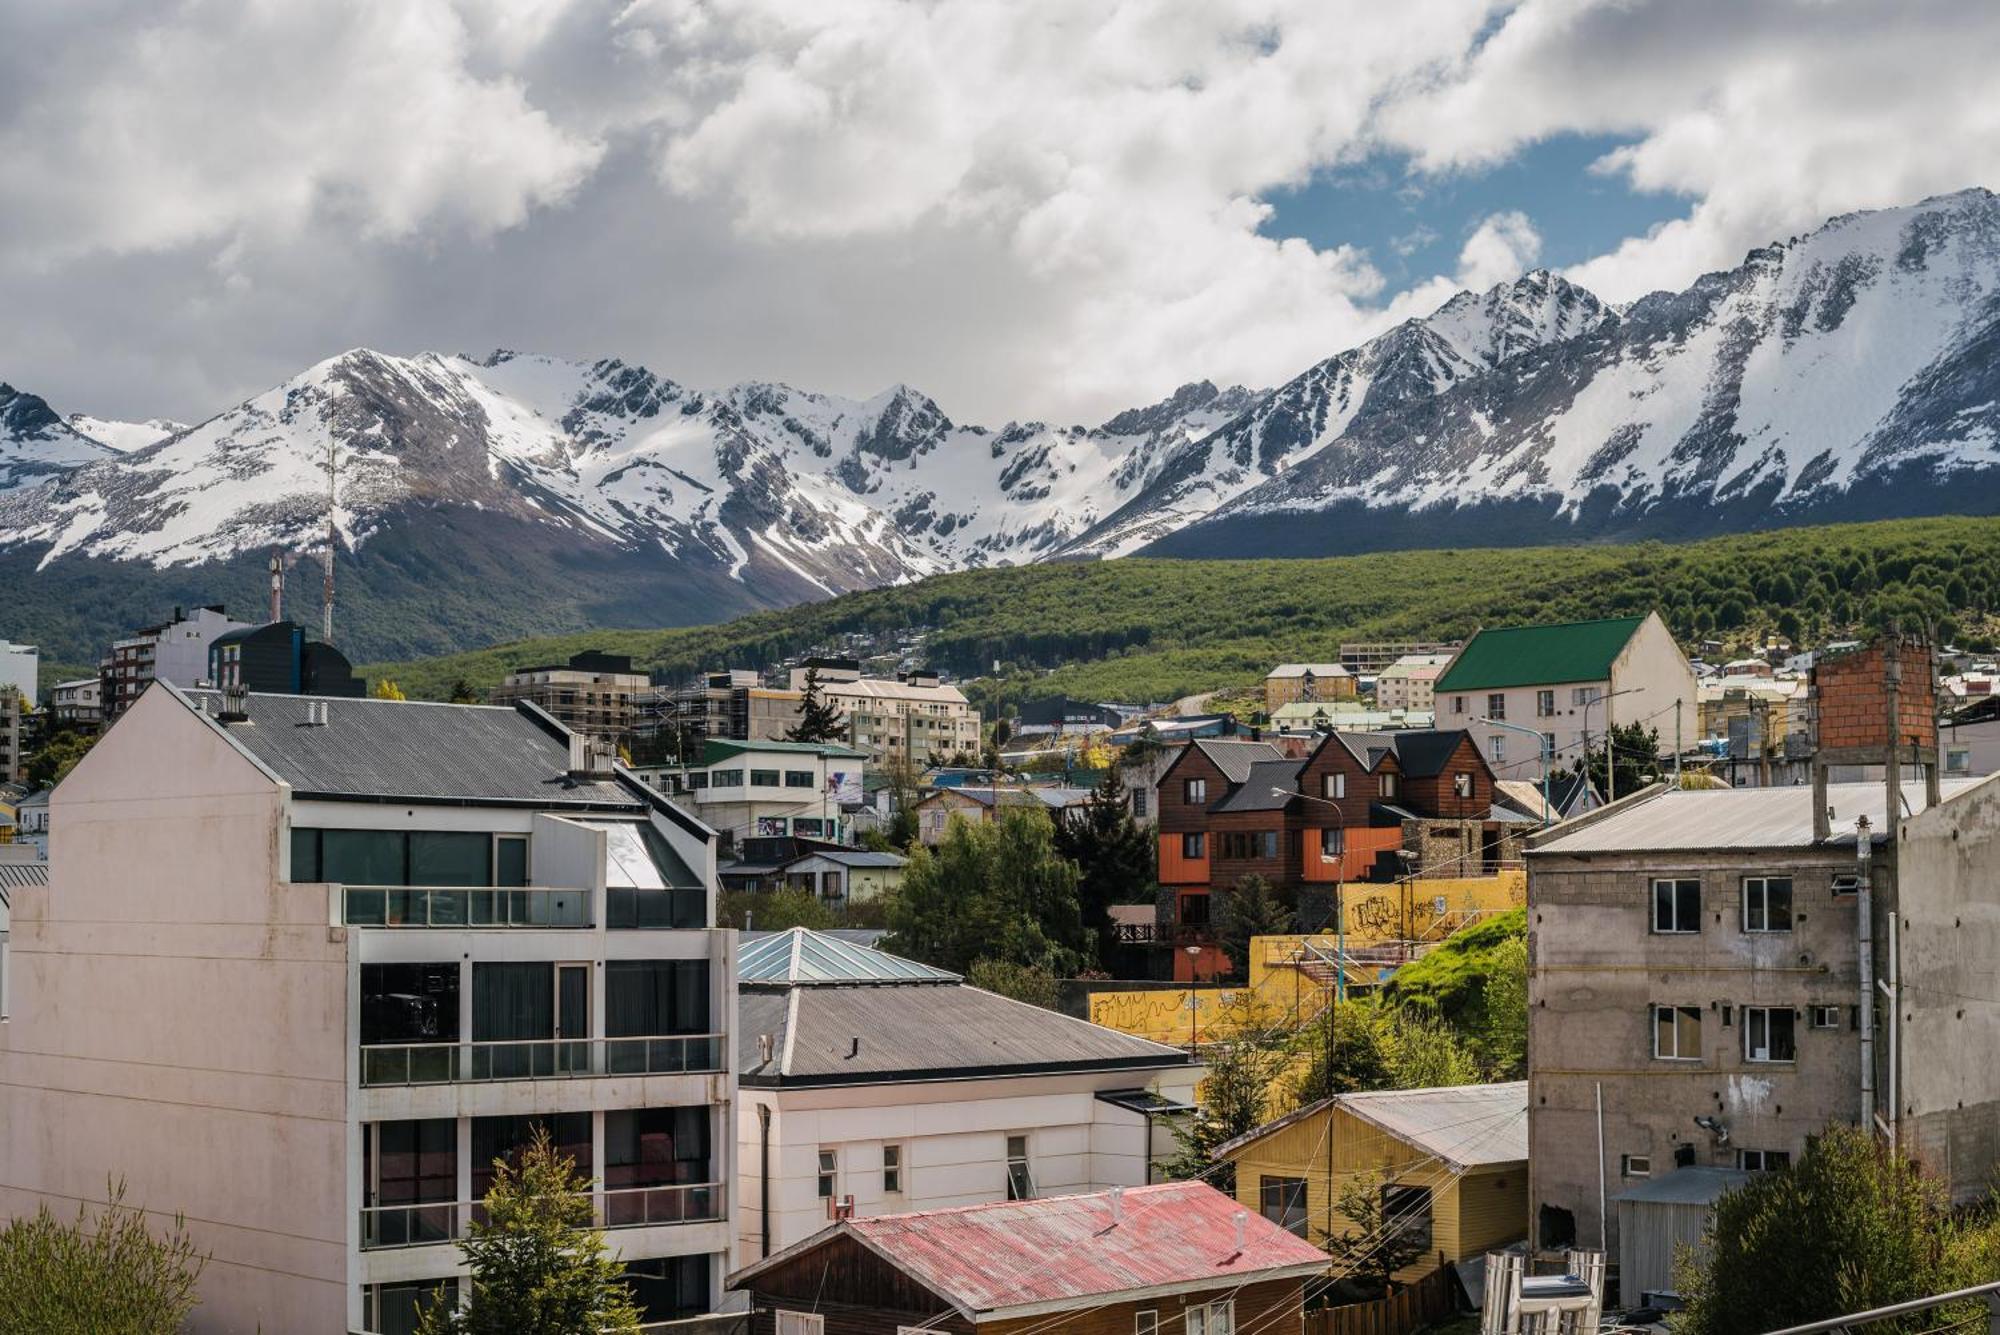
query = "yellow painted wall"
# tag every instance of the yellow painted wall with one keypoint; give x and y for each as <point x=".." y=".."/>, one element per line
<point x="1469" y="1214"/>
<point x="1375" y="914"/>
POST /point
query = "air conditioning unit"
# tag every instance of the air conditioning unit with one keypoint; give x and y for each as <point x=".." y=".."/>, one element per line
<point x="839" y="1207"/>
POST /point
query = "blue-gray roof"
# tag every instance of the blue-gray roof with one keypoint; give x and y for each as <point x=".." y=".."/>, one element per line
<point x="804" y="958"/>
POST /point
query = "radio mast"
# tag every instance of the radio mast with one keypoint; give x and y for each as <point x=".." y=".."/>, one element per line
<point x="326" y="617"/>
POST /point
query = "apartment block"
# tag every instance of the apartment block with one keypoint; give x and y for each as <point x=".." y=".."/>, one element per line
<point x="1306" y="683"/>
<point x="175" y="651"/>
<point x="304" y="968"/>
<point x="593" y="693"/>
<point x="914" y="717"/>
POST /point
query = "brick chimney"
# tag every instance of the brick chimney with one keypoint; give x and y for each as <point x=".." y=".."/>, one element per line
<point x="1875" y="705"/>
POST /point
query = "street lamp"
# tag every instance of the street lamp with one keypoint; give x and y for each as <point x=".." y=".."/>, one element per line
<point x="1545" y="744"/>
<point x="1339" y="890"/>
<point x="1610" y="749"/>
<point x="1194" y="1044"/>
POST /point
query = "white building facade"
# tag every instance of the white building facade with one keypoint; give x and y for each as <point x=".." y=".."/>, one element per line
<point x="20" y="666"/>
<point x="304" y="968"/>
<point x="874" y="1085"/>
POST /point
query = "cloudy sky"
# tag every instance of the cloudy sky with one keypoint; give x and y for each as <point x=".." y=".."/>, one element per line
<point x="1028" y="208"/>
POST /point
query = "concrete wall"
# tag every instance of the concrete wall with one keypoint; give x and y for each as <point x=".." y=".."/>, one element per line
<point x="176" y="1021"/>
<point x="1597" y="968"/>
<point x="1947" y="938"/>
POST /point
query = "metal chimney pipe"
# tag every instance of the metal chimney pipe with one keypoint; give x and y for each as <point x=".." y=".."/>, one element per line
<point x="1864" y="949"/>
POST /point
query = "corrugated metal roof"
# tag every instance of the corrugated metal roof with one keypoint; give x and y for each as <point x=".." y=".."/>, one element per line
<point x="1467" y="1126"/>
<point x="1696" y="1184"/>
<point x="1233" y="758"/>
<point x="859" y="857"/>
<point x="800" y="957"/>
<point x="377" y="749"/>
<point x="715" y="749"/>
<point x="1284" y="670"/>
<point x="1720" y="818"/>
<point x="877" y="1033"/>
<point x="1539" y="655"/>
<point x="1065" y="1249"/>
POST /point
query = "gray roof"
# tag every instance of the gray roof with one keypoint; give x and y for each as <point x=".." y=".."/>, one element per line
<point x="853" y="936"/>
<point x="800" y="957"/>
<point x="1235" y="758"/>
<point x="854" y="857"/>
<point x="376" y="750"/>
<point x="1696" y="1184"/>
<point x="1701" y="819"/>
<point x="899" y="1033"/>
<point x="638" y="857"/>
<point x="1467" y="1126"/>
<point x="1254" y="792"/>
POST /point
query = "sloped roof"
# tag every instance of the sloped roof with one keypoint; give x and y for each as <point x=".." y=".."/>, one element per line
<point x="1064" y="1251"/>
<point x="1254" y="793"/>
<point x="715" y="749"/>
<point x="856" y="857"/>
<point x="1717" y="818"/>
<point x="1300" y="670"/>
<point x="1464" y="1126"/>
<point x="374" y="750"/>
<point x="884" y="1033"/>
<point x="1696" y="1184"/>
<point x="800" y="957"/>
<point x="1235" y="758"/>
<point x="1539" y="655"/>
<point x="636" y="857"/>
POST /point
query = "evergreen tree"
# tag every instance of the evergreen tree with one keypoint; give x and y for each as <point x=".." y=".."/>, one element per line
<point x="1637" y="749"/>
<point x="991" y="891"/>
<point x="463" y="692"/>
<point x="1115" y="859"/>
<point x="1022" y="982"/>
<point x="1250" y="910"/>
<point x="539" y="1266"/>
<point x="107" y="1274"/>
<point x="819" y="720"/>
<point x="1234" y="1095"/>
<point x="1370" y="1239"/>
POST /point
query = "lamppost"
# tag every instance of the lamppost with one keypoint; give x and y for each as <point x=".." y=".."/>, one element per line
<point x="1339" y="890"/>
<point x="1610" y="747"/>
<point x="1545" y="744"/>
<point x="1194" y="999"/>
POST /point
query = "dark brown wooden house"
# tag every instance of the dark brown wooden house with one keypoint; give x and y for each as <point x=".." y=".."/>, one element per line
<point x="1179" y="1258"/>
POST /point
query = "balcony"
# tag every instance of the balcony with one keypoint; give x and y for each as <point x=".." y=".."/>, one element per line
<point x="457" y="906"/>
<point x="386" y="1226"/>
<point x="393" y="1064"/>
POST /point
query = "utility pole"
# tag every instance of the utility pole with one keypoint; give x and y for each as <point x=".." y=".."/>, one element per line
<point x="326" y="615"/>
<point x="1677" y="745"/>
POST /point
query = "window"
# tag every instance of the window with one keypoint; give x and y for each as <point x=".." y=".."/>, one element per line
<point x="1139" y="803"/>
<point x="1677" y="1033"/>
<point x="655" y="1147"/>
<point x="725" y="778"/>
<point x="801" y="1323"/>
<point x="1212" y="1319"/>
<point x="1579" y="696"/>
<point x="1194" y="791"/>
<point x="1499" y="750"/>
<point x="1333" y="786"/>
<point x="409" y="1003"/>
<point x="1332" y="844"/>
<point x="800" y="778"/>
<point x="1146" y="1321"/>
<point x="1458" y="704"/>
<point x="510" y="859"/>
<point x="1194" y="910"/>
<point x="1845" y="887"/>
<point x="1406" y="1213"/>
<point x="1282" y="1200"/>
<point x="1496" y="706"/>
<point x="763" y="778"/>
<point x="404" y="1164"/>
<point x="1676" y="906"/>
<point x="1385" y="785"/>
<point x="395" y="1309"/>
<point x="1825" y="1017"/>
<point x="1461" y="785"/>
<point x="1763" y="1161"/>
<point x="1767" y="904"/>
<point x="507" y="1137"/>
<point x="1635" y="1165"/>
<point x="672" y="1288"/>
<point x="1545" y="704"/>
<point x="698" y="779"/>
<point x="1194" y="845"/>
<point x="829" y="1173"/>
<point x="1958" y="760"/>
<point x="1020" y="1177"/>
<point x="892" y="1170"/>
<point x="648" y="997"/>
<point x="1767" y="1034"/>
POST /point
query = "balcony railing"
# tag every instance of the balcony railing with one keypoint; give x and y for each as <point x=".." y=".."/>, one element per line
<point x="418" y="1225"/>
<point x="455" y="906"/>
<point x="539" y="1059"/>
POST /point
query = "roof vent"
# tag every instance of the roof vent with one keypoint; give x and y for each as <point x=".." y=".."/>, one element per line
<point x="235" y="705"/>
<point x="1238" y="1219"/>
<point x="853" y="1047"/>
<point x="589" y="757"/>
<point x="763" y="1049"/>
<point x="1117" y="1198"/>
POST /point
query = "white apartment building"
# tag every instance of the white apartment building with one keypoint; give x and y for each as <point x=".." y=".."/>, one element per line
<point x="916" y="716"/>
<point x="766" y="790"/>
<point x="175" y="651"/>
<point x="20" y="665"/>
<point x="79" y="701"/>
<point x="876" y="1085"/>
<point x="1410" y="682"/>
<point x="1571" y="683"/>
<point x="304" y="968"/>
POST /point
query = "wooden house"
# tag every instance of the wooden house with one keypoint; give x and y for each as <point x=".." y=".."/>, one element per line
<point x="1179" y="1258"/>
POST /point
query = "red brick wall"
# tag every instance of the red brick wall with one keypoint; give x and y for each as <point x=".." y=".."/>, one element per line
<point x="1851" y="696"/>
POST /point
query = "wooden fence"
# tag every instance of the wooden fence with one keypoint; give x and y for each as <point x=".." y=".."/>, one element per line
<point x="1429" y="1300"/>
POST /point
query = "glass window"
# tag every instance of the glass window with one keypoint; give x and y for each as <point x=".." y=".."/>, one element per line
<point x="829" y="1173"/>
<point x="364" y="857"/>
<point x="647" y="997"/>
<point x="1146" y="1321"/>
<point x="1826" y="1017"/>
<point x="504" y="1138"/>
<point x="1499" y="750"/>
<point x="1194" y="791"/>
<point x="656" y="1147"/>
<point x="1282" y="1200"/>
<point x="1767" y="904"/>
<point x="801" y="1323"/>
<point x="1385" y="785"/>
<point x="1461" y="785"/>
<point x="764" y="778"/>
<point x="892" y="1170"/>
<point x="1496" y="706"/>
<point x="1768" y="1034"/>
<point x="1194" y="910"/>
<point x="1545" y="704"/>
<point x="510" y="859"/>
<point x="513" y="1001"/>
<point x="725" y="778"/>
<point x="408" y="1163"/>
<point x="395" y="1309"/>
<point x="1406" y="1211"/>
<point x="1020" y="1177"/>
<point x="1194" y="845"/>
<point x="1677" y="906"/>
<point x="1763" y="1161"/>
<point x="1212" y="1319"/>
<point x="1635" y="1165"/>
<point x="1139" y="796"/>
<point x="409" y="1003"/>
<point x="1332" y="843"/>
<point x="799" y="778"/>
<point x="305" y="854"/>
<point x="451" y="857"/>
<point x="1677" y="1033"/>
<point x="1458" y="704"/>
<point x="674" y="1287"/>
<point x="1333" y="786"/>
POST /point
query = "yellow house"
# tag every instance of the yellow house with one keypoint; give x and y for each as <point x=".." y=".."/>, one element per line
<point x="1454" y="1163"/>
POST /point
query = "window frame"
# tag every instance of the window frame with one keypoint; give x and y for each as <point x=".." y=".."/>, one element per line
<point x="1385" y="785"/>
<point x="1292" y="1215"/>
<point x="767" y="778"/>
<point x="1815" y="1012"/>
<point x="1763" y="886"/>
<point x="1461" y="785"/>
<point x="1496" y="705"/>
<point x="1194" y="792"/>
<point x="1145" y="1321"/>
<point x="1333" y="786"/>
<point x="1764" y="1160"/>
<point x="800" y="778"/>
<point x="1792" y="1035"/>
<point x="1674" y="902"/>
<point x="798" y="1323"/>
<point x="1635" y="1165"/>
<point x="1545" y="703"/>
<point x="1216" y="1318"/>
<point x="1653" y="1019"/>
<point x="827" y="1173"/>
<point x="1020" y="1187"/>
<point x="1194" y="845"/>
<point x="1408" y="1227"/>
<point x="892" y="1170"/>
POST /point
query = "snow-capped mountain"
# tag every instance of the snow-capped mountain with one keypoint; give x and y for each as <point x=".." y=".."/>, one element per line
<point x="1848" y="373"/>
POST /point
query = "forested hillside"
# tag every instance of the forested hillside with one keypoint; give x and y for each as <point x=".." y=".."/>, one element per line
<point x="1152" y="630"/>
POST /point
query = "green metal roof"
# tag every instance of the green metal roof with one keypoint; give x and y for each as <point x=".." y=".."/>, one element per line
<point x="714" y="750"/>
<point x="1539" y="655"/>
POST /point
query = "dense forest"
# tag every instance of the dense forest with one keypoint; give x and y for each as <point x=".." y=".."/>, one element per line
<point x="1155" y="630"/>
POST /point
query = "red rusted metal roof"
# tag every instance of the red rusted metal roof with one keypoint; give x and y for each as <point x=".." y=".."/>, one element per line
<point x="1049" y="1251"/>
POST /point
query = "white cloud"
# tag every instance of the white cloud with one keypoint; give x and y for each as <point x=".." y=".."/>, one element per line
<point x="1500" y="249"/>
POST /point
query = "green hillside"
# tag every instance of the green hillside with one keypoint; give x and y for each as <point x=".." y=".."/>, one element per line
<point x="1153" y="630"/>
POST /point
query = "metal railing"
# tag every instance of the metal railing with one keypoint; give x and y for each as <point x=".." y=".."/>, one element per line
<point x="460" y="906"/>
<point x="1988" y="1293"/>
<point x="423" y="1223"/>
<point x="539" y="1059"/>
